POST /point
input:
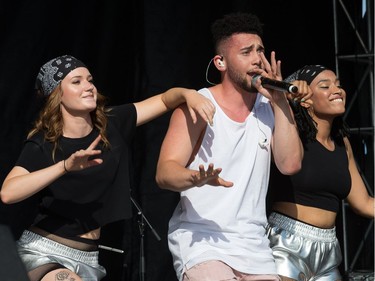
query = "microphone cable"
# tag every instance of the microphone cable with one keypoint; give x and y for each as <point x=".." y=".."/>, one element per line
<point x="207" y="69"/>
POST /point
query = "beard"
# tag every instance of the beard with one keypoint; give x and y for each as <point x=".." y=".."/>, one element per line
<point x="241" y="81"/>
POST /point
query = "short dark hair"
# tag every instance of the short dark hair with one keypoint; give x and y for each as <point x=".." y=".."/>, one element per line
<point x="234" y="23"/>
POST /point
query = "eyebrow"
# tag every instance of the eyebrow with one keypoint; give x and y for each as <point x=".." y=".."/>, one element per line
<point x="251" y="47"/>
<point x="328" y="80"/>
<point x="81" y="76"/>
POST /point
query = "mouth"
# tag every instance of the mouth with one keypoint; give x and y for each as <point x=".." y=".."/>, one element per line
<point x="337" y="100"/>
<point x="88" y="96"/>
<point x="252" y="73"/>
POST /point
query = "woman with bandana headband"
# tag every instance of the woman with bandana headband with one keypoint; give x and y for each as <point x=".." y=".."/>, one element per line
<point x="304" y="205"/>
<point x="76" y="160"/>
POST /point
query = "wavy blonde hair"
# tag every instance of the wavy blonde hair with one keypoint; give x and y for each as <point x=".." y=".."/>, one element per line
<point x="50" y="120"/>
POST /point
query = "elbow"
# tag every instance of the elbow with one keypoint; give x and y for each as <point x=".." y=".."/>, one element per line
<point x="163" y="175"/>
<point x="361" y="213"/>
<point x="5" y="198"/>
<point x="292" y="164"/>
<point x="160" y="181"/>
<point x="366" y="209"/>
<point x="294" y="169"/>
<point x="291" y="168"/>
<point x="289" y="164"/>
<point x="7" y="195"/>
<point x="165" y="183"/>
<point x="168" y="176"/>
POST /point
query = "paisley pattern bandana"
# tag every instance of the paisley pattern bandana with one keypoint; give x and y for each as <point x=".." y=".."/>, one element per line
<point x="54" y="71"/>
<point x="306" y="73"/>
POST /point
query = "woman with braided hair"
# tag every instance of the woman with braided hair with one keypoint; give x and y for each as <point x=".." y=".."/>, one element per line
<point x="304" y="206"/>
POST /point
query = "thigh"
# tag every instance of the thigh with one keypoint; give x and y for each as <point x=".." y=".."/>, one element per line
<point x="258" y="277"/>
<point x="219" y="271"/>
<point x="210" y="271"/>
<point x="39" y="272"/>
<point x="283" y="278"/>
<point x="61" y="274"/>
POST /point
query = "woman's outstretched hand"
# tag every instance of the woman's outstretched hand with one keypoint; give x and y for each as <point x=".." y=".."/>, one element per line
<point x="79" y="160"/>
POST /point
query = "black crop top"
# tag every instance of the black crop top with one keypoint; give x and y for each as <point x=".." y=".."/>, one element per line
<point x="81" y="201"/>
<point x="323" y="181"/>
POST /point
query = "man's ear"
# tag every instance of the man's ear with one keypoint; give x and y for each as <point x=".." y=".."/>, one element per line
<point x="219" y="62"/>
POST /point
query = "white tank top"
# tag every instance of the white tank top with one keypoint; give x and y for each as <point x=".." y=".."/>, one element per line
<point x="228" y="224"/>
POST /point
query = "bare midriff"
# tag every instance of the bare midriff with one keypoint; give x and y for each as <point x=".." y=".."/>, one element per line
<point x="310" y="215"/>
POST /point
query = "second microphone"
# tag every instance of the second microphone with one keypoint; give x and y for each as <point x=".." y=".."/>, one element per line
<point x="275" y="84"/>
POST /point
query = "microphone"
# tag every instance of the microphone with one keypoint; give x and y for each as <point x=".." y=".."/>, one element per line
<point x="275" y="84"/>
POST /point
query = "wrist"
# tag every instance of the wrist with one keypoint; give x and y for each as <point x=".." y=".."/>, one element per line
<point x="64" y="166"/>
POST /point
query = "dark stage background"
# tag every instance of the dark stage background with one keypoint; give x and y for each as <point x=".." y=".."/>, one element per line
<point x="136" y="49"/>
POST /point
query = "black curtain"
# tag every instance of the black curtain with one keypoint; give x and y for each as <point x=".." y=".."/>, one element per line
<point x="136" y="49"/>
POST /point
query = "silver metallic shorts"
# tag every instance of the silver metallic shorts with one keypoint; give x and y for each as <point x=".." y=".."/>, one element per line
<point x="36" y="250"/>
<point x="302" y="251"/>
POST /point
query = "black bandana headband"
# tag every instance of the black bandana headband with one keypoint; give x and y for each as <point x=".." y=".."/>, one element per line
<point x="54" y="71"/>
<point x="306" y="73"/>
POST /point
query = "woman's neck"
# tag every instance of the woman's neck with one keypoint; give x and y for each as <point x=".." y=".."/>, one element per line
<point x="77" y="127"/>
<point x="323" y="134"/>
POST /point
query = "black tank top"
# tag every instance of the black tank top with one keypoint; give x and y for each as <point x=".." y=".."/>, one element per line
<point x="323" y="181"/>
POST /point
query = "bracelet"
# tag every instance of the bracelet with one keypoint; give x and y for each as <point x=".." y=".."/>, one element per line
<point x="66" y="170"/>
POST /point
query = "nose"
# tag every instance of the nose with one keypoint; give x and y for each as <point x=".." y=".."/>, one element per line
<point x="338" y="89"/>
<point x="257" y="60"/>
<point x="88" y="86"/>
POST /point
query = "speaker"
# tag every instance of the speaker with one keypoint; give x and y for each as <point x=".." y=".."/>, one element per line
<point x="11" y="266"/>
